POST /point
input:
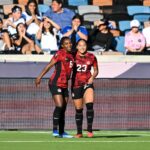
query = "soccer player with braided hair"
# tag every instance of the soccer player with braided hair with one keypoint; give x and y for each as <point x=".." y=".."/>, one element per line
<point x="58" y="84"/>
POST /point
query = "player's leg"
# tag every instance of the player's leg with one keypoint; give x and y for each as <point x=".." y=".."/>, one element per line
<point x="58" y="99"/>
<point x="89" y="100"/>
<point x="79" y="116"/>
<point x="62" y="118"/>
<point x="77" y="94"/>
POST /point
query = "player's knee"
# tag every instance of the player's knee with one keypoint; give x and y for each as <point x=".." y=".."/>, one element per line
<point x="89" y="106"/>
<point x="58" y="110"/>
<point x="79" y="111"/>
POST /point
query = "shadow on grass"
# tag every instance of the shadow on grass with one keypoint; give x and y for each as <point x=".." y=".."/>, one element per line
<point x="114" y="136"/>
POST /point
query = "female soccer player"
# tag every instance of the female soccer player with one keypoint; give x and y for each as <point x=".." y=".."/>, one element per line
<point x="58" y="83"/>
<point x="82" y="86"/>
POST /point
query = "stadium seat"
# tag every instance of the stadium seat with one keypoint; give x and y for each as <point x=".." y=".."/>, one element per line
<point x="137" y="9"/>
<point x="103" y="2"/>
<point x="124" y="25"/>
<point x="146" y="2"/>
<point x="88" y="25"/>
<point x="92" y="16"/>
<point x="88" y="9"/>
<point x="114" y="9"/>
<point x="118" y="16"/>
<point x="77" y="2"/>
<point x="6" y="2"/>
<point x="47" y="2"/>
<point x="23" y="2"/>
<point x="142" y="17"/>
<point x="127" y="2"/>
<point x="119" y="44"/>
<point x="7" y="8"/>
<point x="43" y="8"/>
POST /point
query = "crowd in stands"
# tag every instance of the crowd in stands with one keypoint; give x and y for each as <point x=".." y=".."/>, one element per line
<point x="35" y="32"/>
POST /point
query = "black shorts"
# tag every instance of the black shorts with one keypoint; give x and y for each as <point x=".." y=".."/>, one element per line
<point x="55" y="90"/>
<point x="78" y="93"/>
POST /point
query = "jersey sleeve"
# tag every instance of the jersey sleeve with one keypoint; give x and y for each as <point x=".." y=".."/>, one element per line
<point x="57" y="56"/>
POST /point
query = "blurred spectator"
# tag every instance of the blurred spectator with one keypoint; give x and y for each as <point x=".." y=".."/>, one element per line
<point x="75" y="31"/>
<point x="101" y="36"/>
<point x="62" y="16"/>
<point x="33" y="20"/>
<point x="146" y="33"/>
<point x="32" y="17"/>
<point x="47" y="35"/>
<point x="23" y="43"/>
<point x="5" y="43"/>
<point x="134" y="40"/>
<point x="13" y="21"/>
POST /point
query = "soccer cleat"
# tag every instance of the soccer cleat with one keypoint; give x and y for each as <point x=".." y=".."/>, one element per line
<point x="78" y="136"/>
<point x="66" y="135"/>
<point x="90" y="134"/>
<point x="55" y="133"/>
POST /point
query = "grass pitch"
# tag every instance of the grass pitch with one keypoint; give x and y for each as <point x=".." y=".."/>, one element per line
<point x="103" y="140"/>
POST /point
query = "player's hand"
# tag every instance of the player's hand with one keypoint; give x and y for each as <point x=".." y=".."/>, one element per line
<point x="37" y="81"/>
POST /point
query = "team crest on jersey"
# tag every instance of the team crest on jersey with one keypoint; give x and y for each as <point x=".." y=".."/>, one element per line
<point x="59" y="90"/>
<point x="88" y="63"/>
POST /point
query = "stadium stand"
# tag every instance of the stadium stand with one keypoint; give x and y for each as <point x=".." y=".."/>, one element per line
<point x="7" y="8"/>
<point x="77" y="2"/>
<point x="142" y="17"/>
<point x="47" y="2"/>
<point x="92" y="16"/>
<point x="91" y="10"/>
<point x="118" y="16"/>
<point x="103" y="2"/>
<point x="1" y="12"/>
<point x="114" y="9"/>
<point x="137" y="9"/>
<point x="4" y="2"/>
<point x="88" y="9"/>
<point x="127" y="2"/>
<point x="22" y="2"/>
<point x="146" y="2"/>
<point x="43" y="8"/>
<point x="119" y="44"/>
<point x="124" y="25"/>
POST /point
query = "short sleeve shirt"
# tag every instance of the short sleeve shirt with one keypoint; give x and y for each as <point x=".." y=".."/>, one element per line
<point x="63" y="68"/>
<point x="82" y="69"/>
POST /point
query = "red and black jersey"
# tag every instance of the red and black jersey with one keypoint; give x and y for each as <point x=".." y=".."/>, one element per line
<point x="82" y="69"/>
<point x="63" y="68"/>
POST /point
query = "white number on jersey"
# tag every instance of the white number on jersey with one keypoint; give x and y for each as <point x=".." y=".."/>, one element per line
<point x="81" y="68"/>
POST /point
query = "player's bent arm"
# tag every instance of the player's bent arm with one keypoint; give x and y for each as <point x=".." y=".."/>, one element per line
<point x="95" y="73"/>
<point x="44" y="71"/>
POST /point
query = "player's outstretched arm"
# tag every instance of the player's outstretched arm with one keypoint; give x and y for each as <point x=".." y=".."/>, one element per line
<point x="44" y="71"/>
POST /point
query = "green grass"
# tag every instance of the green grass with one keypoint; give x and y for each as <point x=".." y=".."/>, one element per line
<point x="103" y="140"/>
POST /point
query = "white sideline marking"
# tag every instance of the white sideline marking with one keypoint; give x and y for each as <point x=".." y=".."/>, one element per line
<point x="75" y="141"/>
<point x="73" y="132"/>
<point x="101" y="133"/>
